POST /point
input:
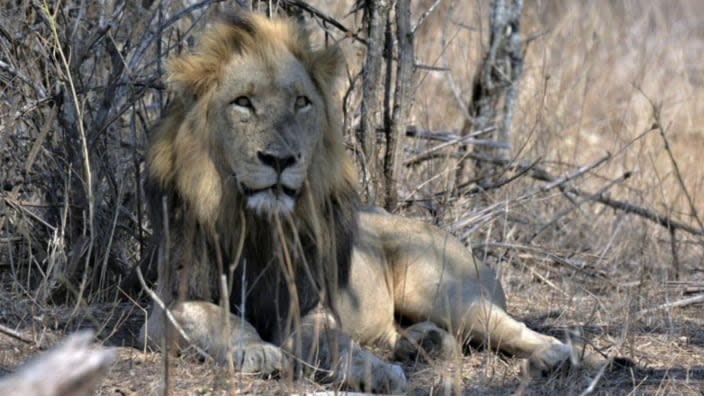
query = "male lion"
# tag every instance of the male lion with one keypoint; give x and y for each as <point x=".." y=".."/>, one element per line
<point x="248" y="178"/>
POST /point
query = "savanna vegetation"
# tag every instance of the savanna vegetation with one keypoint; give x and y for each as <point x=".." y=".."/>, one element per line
<point x="588" y="202"/>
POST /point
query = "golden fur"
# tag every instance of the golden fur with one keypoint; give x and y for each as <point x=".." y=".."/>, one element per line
<point x="252" y="102"/>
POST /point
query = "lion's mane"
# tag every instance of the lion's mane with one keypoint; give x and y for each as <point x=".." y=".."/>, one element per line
<point x="201" y="223"/>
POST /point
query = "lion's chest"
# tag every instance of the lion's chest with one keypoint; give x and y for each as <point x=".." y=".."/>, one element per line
<point x="267" y="297"/>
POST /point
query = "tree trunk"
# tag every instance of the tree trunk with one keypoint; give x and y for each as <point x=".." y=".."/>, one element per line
<point x="495" y="86"/>
<point x="402" y="102"/>
<point x="377" y="15"/>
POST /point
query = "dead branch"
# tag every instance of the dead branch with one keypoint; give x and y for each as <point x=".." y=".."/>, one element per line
<point x="443" y="136"/>
<point x="679" y="303"/>
<point x="7" y="68"/>
<point x="71" y="369"/>
<point x="541" y="174"/>
<point x="577" y="173"/>
<point x="578" y="204"/>
<point x="15" y="334"/>
<point x="663" y="134"/>
<point x="432" y="153"/>
<point x="325" y="18"/>
<point x="564" y="261"/>
<point x="425" y="15"/>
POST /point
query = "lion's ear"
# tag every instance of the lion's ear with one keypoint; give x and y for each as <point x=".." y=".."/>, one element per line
<point x="327" y="64"/>
<point x="190" y="76"/>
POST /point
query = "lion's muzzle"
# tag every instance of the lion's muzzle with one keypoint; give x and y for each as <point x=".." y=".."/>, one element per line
<point x="276" y="185"/>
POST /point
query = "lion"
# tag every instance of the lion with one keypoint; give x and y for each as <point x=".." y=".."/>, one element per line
<point x="255" y="207"/>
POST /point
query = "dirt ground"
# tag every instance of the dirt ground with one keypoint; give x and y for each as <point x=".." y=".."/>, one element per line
<point x="658" y="353"/>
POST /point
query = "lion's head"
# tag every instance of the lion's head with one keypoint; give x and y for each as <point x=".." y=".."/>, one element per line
<point x="252" y="120"/>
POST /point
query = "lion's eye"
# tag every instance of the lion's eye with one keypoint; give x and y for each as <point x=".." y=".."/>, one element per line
<point x="302" y="102"/>
<point x="243" y="101"/>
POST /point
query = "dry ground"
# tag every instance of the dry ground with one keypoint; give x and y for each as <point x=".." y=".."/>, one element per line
<point x="665" y="347"/>
<point x="624" y="77"/>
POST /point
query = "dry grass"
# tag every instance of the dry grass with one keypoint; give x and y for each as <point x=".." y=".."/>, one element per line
<point x="598" y="76"/>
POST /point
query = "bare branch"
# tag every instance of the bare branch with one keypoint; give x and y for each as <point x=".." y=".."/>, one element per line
<point x="679" y="303"/>
<point x="542" y="174"/>
<point x="14" y="334"/>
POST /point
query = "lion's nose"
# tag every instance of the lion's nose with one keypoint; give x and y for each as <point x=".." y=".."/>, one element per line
<point x="276" y="161"/>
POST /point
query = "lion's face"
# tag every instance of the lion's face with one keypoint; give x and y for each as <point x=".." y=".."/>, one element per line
<point x="268" y="123"/>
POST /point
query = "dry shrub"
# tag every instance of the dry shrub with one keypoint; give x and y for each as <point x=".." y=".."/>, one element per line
<point x="81" y="84"/>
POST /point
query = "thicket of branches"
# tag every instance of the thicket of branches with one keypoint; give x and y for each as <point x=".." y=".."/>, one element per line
<point x="82" y="83"/>
<point x="81" y="86"/>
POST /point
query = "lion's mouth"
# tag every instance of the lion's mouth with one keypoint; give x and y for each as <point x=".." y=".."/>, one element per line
<point x="267" y="201"/>
<point x="276" y="190"/>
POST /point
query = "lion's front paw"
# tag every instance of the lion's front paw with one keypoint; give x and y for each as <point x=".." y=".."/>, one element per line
<point x="549" y="359"/>
<point x="556" y="357"/>
<point x="426" y="341"/>
<point x="365" y="372"/>
<point x="260" y="357"/>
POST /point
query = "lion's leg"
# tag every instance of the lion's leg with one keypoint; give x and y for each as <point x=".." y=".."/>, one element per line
<point x="204" y="325"/>
<point x="489" y="324"/>
<point x="492" y="325"/>
<point x="335" y="357"/>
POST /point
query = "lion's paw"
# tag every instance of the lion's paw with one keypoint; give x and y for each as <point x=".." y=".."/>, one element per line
<point x="549" y="359"/>
<point x="425" y="340"/>
<point x="367" y="373"/>
<point x="261" y="358"/>
<point x="556" y="357"/>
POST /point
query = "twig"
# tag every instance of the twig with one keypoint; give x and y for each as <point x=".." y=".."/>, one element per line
<point x="464" y="140"/>
<point x="597" y="377"/>
<point x="699" y="298"/>
<point x="326" y="18"/>
<point x="651" y="215"/>
<point x="579" y="172"/>
<point x="157" y="34"/>
<point x="663" y="132"/>
<point x="11" y="70"/>
<point x="579" y="203"/>
<point x="425" y="15"/>
<point x="443" y="136"/>
<point x="14" y="334"/>
<point x="18" y="205"/>
<point x="500" y="182"/>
